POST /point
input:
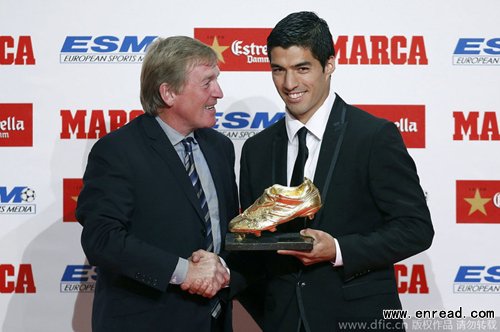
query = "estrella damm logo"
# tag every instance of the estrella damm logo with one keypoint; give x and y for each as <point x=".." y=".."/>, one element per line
<point x="410" y="120"/>
<point x="71" y="191"/>
<point x="16" y="125"/>
<point x="238" y="49"/>
<point x="478" y="201"/>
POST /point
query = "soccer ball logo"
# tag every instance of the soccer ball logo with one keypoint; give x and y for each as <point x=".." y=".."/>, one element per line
<point x="28" y="195"/>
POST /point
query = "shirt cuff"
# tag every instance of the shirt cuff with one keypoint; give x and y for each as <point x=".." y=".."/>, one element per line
<point x="223" y="262"/>
<point x="338" y="258"/>
<point x="180" y="272"/>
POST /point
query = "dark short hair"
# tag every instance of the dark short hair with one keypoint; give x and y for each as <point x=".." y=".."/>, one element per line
<point x="303" y="29"/>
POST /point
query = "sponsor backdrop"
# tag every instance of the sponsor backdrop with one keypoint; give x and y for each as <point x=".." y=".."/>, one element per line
<point x="69" y="74"/>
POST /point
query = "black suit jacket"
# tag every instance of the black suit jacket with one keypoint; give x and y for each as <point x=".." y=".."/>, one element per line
<point x="140" y="214"/>
<point x="372" y="204"/>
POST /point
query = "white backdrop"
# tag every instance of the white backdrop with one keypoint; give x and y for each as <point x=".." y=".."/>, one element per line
<point x="61" y="72"/>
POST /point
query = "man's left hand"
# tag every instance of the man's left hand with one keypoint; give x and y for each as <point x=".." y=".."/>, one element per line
<point x="323" y="248"/>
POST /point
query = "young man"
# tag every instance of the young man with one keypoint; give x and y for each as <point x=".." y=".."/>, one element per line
<point x="157" y="190"/>
<point x="374" y="211"/>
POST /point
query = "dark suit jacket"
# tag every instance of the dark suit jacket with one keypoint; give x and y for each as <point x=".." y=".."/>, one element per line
<point x="140" y="214"/>
<point x="373" y="205"/>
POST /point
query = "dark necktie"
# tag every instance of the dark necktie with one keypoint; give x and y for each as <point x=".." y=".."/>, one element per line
<point x="195" y="181"/>
<point x="298" y="168"/>
<point x="297" y="178"/>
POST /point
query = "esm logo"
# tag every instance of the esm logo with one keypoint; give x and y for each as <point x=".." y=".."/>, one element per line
<point x="477" y="52"/>
<point x="17" y="200"/>
<point x="242" y="125"/>
<point x="479" y="279"/>
<point x="104" y="49"/>
<point x="78" y="279"/>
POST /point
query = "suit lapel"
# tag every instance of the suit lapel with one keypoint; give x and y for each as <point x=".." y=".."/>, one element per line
<point x="330" y="148"/>
<point x="162" y="146"/>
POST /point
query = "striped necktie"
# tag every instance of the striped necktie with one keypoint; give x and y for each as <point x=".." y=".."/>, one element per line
<point x="195" y="181"/>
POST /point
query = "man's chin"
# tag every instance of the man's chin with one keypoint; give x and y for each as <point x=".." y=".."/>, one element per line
<point x="294" y="110"/>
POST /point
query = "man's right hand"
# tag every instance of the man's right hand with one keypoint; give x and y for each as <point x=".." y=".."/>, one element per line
<point x="206" y="275"/>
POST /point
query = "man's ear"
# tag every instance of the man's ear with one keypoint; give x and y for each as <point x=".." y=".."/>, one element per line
<point x="330" y="65"/>
<point x="167" y="94"/>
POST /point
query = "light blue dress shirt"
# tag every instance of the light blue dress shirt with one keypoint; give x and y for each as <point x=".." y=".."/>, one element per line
<point x="208" y="185"/>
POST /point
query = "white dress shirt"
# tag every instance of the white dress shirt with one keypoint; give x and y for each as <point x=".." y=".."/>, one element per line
<point x="316" y="127"/>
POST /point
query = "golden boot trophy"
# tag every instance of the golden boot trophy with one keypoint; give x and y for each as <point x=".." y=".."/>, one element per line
<point x="277" y="205"/>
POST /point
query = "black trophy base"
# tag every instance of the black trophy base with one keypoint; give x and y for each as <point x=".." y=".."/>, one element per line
<point x="268" y="241"/>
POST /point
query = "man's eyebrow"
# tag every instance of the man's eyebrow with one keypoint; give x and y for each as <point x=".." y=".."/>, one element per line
<point x="300" y="64"/>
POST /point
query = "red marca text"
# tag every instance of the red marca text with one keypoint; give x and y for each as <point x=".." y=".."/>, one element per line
<point x="476" y="127"/>
<point x="20" y="281"/>
<point x="411" y="279"/>
<point x="16" y="52"/>
<point x="83" y="124"/>
<point x="381" y="50"/>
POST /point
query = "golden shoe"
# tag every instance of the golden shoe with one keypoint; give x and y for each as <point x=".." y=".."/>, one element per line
<point x="277" y="205"/>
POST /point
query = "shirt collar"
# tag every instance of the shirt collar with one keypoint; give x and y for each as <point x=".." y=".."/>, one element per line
<point x="173" y="135"/>
<point x="316" y="124"/>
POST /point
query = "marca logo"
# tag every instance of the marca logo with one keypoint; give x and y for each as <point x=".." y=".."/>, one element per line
<point x="238" y="49"/>
<point x="478" y="202"/>
<point x="71" y="191"/>
<point x="17" y="200"/>
<point x="478" y="279"/>
<point x="381" y="50"/>
<point x="104" y="49"/>
<point x="477" y="52"/>
<point x="476" y="126"/>
<point x="16" y="280"/>
<point x="78" y="279"/>
<point x="410" y="119"/>
<point x="242" y="125"/>
<point x="16" y="124"/>
<point x="16" y="51"/>
<point x="411" y="280"/>
<point x="79" y="125"/>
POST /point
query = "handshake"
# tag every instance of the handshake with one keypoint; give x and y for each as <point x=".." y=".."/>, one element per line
<point x="206" y="274"/>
